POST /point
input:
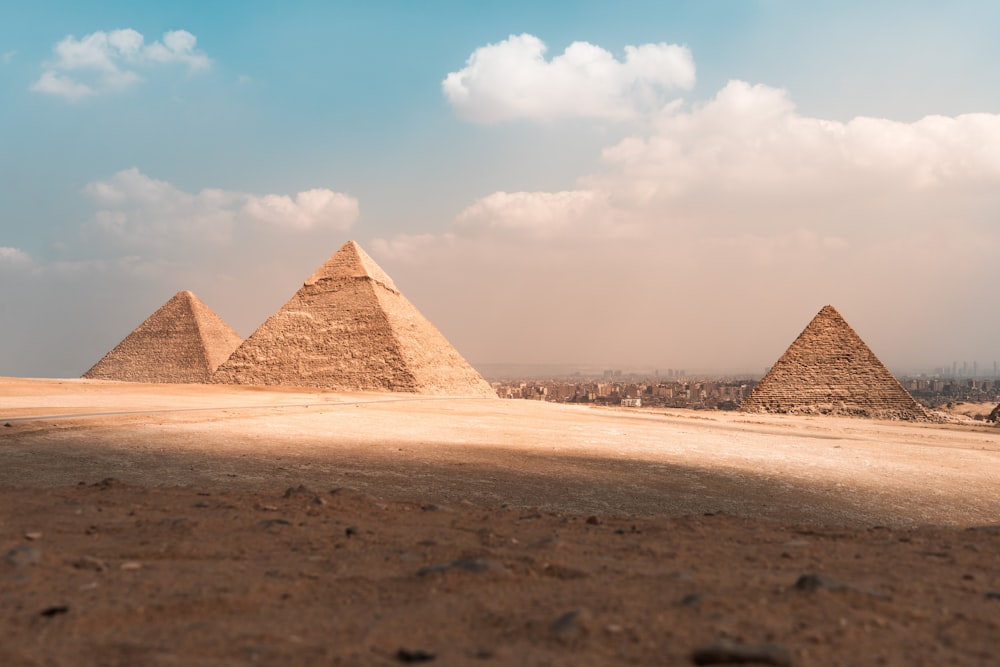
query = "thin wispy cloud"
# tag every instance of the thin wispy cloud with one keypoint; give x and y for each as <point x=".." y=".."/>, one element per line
<point x="7" y="57"/>
<point x="134" y="210"/>
<point x="104" y="62"/>
<point x="13" y="257"/>
<point x="512" y="80"/>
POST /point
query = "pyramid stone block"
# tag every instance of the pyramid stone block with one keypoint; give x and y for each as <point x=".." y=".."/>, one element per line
<point x="349" y="328"/>
<point x="182" y="342"/>
<point x="828" y="369"/>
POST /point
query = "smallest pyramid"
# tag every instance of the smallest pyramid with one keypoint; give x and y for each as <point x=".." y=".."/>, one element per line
<point x="182" y="342"/>
<point x="828" y="369"/>
<point x="995" y="415"/>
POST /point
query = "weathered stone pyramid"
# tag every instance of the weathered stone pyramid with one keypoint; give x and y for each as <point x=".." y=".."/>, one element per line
<point x="349" y="328"/>
<point x="183" y="341"/>
<point x="828" y="369"/>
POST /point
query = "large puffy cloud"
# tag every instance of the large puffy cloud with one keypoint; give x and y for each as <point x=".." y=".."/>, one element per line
<point x="710" y="239"/>
<point x="106" y="61"/>
<point x="513" y="80"/>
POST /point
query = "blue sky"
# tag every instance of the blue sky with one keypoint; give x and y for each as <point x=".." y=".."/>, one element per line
<point x="692" y="206"/>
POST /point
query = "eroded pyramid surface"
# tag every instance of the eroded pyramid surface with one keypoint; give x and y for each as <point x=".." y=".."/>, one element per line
<point x="182" y="342"/>
<point x="349" y="328"/>
<point x="828" y="369"/>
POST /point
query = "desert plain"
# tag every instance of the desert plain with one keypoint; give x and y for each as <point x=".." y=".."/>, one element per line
<point x="225" y="525"/>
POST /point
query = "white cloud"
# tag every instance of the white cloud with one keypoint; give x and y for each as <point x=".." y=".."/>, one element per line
<point x="134" y="210"/>
<point x="13" y="257"/>
<point x="513" y="80"/>
<point x="244" y="254"/>
<point x="712" y="237"/>
<point x="63" y="86"/>
<point x="318" y="207"/>
<point x="178" y="47"/>
<point x="102" y="61"/>
<point x="533" y="214"/>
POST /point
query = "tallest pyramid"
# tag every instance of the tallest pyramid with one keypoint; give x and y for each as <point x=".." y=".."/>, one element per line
<point x="349" y="328"/>
<point x="828" y="369"/>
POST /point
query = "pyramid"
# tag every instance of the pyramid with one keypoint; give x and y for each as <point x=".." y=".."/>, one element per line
<point x="828" y="369"/>
<point x="349" y="328"/>
<point x="183" y="341"/>
<point x="995" y="415"/>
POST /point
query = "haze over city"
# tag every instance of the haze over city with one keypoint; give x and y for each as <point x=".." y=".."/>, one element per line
<point x="659" y="185"/>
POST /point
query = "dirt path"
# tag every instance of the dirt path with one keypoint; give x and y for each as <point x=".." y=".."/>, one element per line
<point x="279" y="527"/>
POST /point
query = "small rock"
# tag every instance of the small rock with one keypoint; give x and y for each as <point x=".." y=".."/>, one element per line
<point x="550" y="542"/>
<point x="90" y="563"/>
<point x="993" y="596"/>
<point x="22" y="555"/>
<point x="812" y="582"/>
<point x="318" y="501"/>
<point x="49" y="612"/>
<point x="299" y="490"/>
<point x="432" y="507"/>
<point x="130" y="565"/>
<point x="726" y="653"/>
<point x="572" y="624"/>
<point x="414" y="655"/>
<point x="202" y="503"/>
<point x="267" y="523"/>
<point x="8" y="425"/>
<point x="351" y="531"/>
<point x="690" y="599"/>
<point x="33" y="535"/>
<point x="593" y="521"/>
<point x="476" y="565"/>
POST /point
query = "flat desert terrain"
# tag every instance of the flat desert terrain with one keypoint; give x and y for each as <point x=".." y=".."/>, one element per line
<point x="209" y="525"/>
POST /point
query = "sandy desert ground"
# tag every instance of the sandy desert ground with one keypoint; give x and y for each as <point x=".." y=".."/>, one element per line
<point x="206" y="525"/>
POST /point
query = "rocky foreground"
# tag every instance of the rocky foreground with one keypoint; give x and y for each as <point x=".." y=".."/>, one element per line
<point x="105" y="573"/>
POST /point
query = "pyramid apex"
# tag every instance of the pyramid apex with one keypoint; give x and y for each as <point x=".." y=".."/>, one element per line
<point x="350" y="261"/>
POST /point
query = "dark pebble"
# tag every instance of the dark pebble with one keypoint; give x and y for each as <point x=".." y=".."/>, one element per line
<point x="993" y="596"/>
<point x="267" y="523"/>
<point x="414" y="655"/>
<point x="725" y="653"/>
<point x="812" y="582"/>
<point x="572" y="624"/>
<point x="351" y="531"/>
<point x="49" y="612"/>
<point x="690" y="599"/>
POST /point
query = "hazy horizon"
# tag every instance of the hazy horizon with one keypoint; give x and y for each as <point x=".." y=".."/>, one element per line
<point x="639" y="184"/>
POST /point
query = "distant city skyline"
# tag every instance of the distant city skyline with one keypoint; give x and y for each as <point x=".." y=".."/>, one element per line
<point x="636" y="183"/>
